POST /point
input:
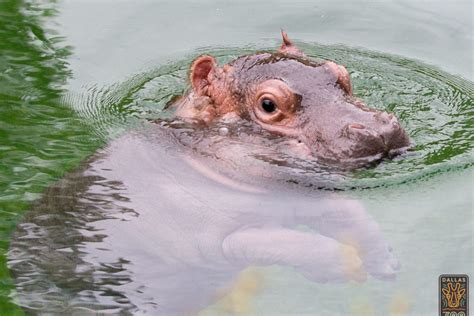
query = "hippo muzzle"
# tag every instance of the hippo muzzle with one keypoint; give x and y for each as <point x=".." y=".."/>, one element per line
<point x="355" y="134"/>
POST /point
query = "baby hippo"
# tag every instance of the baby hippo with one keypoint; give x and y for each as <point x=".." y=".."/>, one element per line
<point x="139" y="230"/>
<point x="288" y="94"/>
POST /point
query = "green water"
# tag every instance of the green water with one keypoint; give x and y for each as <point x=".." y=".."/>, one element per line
<point x="74" y="75"/>
<point x="39" y="138"/>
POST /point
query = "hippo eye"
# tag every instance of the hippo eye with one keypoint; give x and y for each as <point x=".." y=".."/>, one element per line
<point x="274" y="102"/>
<point x="268" y="106"/>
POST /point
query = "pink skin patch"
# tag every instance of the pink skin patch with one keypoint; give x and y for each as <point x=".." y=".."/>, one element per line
<point x="219" y="178"/>
<point x="343" y="78"/>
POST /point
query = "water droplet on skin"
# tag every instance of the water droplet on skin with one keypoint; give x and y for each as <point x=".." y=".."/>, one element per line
<point x="223" y="131"/>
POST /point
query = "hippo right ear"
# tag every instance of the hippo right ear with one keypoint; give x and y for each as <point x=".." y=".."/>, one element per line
<point x="199" y="76"/>
<point x="342" y="75"/>
<point x="287" y="47"/>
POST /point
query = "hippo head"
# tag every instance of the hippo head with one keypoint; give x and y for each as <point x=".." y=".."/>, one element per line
<point x="290" y="95"/>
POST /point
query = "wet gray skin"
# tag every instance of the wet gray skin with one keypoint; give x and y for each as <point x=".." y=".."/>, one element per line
<point x="333" y="124"/>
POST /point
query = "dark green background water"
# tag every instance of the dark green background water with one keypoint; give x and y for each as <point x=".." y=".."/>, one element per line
<point x="74" y="74"/>
<point x="39" y="138"/>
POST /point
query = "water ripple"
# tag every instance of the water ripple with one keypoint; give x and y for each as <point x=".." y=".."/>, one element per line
<point x="435" y="107"/>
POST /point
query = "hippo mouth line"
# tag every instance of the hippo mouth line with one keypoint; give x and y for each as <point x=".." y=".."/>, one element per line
<point x="392" y="153"/>
<point x="351" y="161"/>
<point x="371" y="159"/>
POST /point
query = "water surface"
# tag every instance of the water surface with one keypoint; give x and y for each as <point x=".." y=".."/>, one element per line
<point x="75" y="76"/>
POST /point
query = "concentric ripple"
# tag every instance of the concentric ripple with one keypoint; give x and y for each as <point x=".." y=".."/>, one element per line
<point x="435" y="107"/>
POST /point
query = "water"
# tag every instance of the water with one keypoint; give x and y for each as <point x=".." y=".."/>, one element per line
<point x="74" y="79"/>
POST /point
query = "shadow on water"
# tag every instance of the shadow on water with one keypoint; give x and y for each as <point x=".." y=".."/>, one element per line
<point x="39" y="138"/>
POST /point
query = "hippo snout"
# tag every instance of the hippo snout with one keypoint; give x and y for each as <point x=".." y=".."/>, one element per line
<point x="383" y="136"/>
<point x="391" y="132"/>
<point x="365" y="141"/>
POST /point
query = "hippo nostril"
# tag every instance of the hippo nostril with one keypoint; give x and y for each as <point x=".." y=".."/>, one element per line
<point x="384" y="117"/>
<point x="356" y="126"/>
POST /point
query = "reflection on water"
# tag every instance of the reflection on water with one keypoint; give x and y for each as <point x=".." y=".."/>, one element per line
<point x="39" y="138"/>
<point x="125" y="233"/>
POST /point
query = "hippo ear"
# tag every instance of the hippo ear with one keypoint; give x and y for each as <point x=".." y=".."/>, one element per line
<point x="199" y="76"/>
<point x="287" y="47"/>
<point x="342" y="75"/>
<point x="344" y="80"/>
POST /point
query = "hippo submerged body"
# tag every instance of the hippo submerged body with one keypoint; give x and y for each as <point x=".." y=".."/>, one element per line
<point x="140" y="229"/>
<point x="155" y="223"/>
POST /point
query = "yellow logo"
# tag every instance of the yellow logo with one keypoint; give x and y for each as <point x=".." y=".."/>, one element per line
<point x="454" y="295"/>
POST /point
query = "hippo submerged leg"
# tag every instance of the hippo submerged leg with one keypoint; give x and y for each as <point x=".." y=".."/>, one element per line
<point x="317" y="257"/>
<point x="348" y="222"/>
<point x="345" y="244"/>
